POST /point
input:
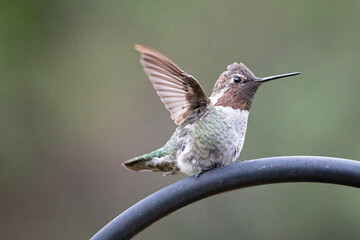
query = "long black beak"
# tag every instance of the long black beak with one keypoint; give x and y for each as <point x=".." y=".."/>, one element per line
<point x="265" y="79"/>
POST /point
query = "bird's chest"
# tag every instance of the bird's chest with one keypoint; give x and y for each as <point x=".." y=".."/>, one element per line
<point x="226" y="124"/>
<point x="214" y="140"/>
<point x="218" y="135"/>
<point x="232" y="132"/>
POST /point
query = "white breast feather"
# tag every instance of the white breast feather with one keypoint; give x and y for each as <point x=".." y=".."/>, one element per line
<point x="235" y="118"/>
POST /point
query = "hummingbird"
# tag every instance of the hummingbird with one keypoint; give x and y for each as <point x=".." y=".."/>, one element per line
<point x="211" y="130"/>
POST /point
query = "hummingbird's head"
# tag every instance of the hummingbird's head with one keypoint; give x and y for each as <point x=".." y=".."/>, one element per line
<point x="236" y="87"/>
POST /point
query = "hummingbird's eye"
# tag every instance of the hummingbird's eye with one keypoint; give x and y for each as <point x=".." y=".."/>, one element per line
<point x="237" y="79"/>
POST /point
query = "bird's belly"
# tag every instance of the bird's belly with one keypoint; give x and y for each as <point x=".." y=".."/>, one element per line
<point x="211" y="145"/>
<point x="194" y="159"/>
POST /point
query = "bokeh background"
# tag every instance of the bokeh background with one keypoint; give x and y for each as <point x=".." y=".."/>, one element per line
<point x="75" y="103"/>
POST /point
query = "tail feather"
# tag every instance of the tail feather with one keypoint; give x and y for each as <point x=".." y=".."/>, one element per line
<point x="137" y="164"/>
<point x="156" y="161"/>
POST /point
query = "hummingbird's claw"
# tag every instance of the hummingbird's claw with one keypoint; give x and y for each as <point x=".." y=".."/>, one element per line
<point x="197" y="176"/>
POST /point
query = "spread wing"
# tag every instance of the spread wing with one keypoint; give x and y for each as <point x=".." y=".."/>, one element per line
<point x="180" y="92"/>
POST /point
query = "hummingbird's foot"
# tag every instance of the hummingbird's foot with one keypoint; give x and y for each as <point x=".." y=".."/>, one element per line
<point x="197" y="176"/>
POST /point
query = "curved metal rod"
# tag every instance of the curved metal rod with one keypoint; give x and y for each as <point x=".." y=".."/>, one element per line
<point x="235" y="176"/>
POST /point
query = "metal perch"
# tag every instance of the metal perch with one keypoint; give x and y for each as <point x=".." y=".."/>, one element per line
<point x="235" y="176"/>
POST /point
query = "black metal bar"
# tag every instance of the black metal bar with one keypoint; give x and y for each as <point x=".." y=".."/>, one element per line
<point x="238" y="175"/>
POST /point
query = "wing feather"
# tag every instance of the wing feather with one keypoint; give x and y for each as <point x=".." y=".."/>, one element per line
<point x="180" y="92"/>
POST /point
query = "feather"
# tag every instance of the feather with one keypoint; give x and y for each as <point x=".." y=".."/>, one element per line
<point x="180" y="92"/>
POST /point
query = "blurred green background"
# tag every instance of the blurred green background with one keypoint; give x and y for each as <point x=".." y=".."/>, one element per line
<point x="75" y="103"/>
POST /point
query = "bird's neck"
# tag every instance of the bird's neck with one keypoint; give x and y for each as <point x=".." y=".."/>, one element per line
<point x="228" y="97"/>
